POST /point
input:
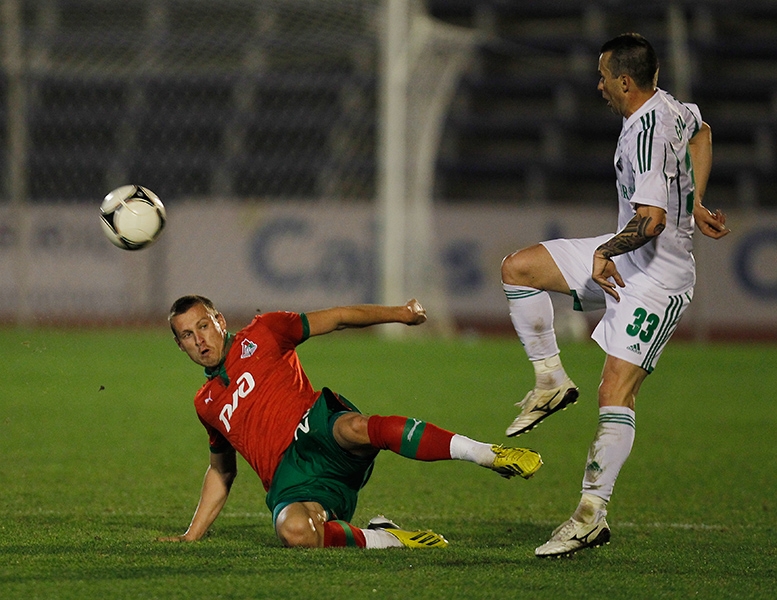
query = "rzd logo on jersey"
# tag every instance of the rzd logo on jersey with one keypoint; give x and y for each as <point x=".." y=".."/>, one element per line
<point x="247" y="349"/>
<point x="245" y="383"/>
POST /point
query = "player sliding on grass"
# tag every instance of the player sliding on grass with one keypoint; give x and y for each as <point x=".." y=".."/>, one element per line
<point x="312" y="450"/>
<point x="642" y="276"/>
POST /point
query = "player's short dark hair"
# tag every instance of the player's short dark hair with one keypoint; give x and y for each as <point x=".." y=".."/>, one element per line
<point x="632" y="55"/>
<point x="184" y="303"/>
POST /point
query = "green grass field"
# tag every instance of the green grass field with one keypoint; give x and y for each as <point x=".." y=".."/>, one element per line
<point x="102" y="453"/>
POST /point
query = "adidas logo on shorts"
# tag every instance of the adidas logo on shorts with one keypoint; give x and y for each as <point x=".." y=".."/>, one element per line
<point x="634" y="348"/>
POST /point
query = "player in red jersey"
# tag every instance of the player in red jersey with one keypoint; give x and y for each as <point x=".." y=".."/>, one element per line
<point x="313" y="450"/>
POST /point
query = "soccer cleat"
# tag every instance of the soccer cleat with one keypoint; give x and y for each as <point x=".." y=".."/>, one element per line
<point x="381" y="522"/>
<point x="510" y="462"/>
<point x="409" y="539"/>
<point x="419" y="539"/>
<point x="571" y="536"/>
<point x="539" y="404"/>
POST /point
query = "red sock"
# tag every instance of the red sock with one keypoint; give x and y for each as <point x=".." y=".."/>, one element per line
<point x="410" y="437"/>
<point x="341" y="534"/>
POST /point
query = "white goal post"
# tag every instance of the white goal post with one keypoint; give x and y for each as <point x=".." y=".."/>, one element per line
<point x="421" y="62"/>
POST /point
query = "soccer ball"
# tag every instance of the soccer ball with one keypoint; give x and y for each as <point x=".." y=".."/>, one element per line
<point x="132" y="217"/>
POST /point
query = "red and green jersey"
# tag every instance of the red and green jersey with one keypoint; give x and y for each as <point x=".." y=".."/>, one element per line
<point x="255" y="399"/>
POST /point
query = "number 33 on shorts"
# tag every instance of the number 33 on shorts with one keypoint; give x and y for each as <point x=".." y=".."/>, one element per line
<point x="644" y="325"/>
<point x="639" y="333"/>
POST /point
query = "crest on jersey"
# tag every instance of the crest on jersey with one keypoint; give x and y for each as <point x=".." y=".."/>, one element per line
<point x="247" y="349"/>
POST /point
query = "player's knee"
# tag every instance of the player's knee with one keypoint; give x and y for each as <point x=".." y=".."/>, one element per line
<point x="297" y="531"/>
<point x="351" y="431"/>
<point x="516" y="268"/>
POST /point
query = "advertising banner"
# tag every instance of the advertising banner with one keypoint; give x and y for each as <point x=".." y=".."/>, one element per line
<point x="256" y="257"/>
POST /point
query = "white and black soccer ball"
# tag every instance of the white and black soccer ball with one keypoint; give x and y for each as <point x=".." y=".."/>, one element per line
<point x="132" y="217"/>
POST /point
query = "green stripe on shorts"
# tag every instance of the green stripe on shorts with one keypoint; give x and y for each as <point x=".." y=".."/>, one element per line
<point x="668" y="325"/>
<point x="576" y="304"/>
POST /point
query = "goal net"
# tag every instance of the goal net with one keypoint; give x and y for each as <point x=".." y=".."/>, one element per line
<point x="246" y="98"/>
<point x="237" y="99"/>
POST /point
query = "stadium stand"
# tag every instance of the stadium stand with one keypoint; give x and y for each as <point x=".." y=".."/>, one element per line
<point x="203" y="99"/>
<point x="236" y="99"/>
<point x="529" y="123"/>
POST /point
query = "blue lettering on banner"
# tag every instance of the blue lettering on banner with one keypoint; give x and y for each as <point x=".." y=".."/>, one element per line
<point x="746" y="256"/>
<point x="340" y="263"/>
<point x="261" y="252"/>
<point x="461" y="260"/>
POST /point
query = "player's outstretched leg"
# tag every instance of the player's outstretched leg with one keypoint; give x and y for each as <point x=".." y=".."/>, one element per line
<point x="380" y="533"/>
<point x="305" y="525"/>
<point x="419" y="440"/>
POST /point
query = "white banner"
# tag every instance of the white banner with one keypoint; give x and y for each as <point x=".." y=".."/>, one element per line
<point x="252" y="257"/>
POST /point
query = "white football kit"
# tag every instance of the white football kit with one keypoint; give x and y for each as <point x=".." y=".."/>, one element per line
<point x="653" y="167"/>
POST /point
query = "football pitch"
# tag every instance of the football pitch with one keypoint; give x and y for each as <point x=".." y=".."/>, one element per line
<point x="102" y="453"/>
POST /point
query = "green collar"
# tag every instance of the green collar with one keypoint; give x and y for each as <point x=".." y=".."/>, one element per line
<point x="219" y="370"/>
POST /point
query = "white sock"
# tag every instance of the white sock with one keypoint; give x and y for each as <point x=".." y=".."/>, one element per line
<point x="609" y="450"/>
<point x="590" y="509"/>
<point x="463" y="448"/>
<point x="380" y="538"/>
<point x="531" y="312"/>
<point x="549" y="372"/>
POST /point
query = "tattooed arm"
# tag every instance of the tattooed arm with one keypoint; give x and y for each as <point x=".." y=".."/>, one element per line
<point x="647" y="224"/>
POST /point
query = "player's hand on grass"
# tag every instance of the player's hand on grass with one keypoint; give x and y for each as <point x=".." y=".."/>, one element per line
<point x="606" y="275"/>
<point x="710" y="224"/>
<point x="417" y="312"/>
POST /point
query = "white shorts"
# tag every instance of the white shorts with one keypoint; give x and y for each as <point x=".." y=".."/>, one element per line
<point x="637" y="328"/>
